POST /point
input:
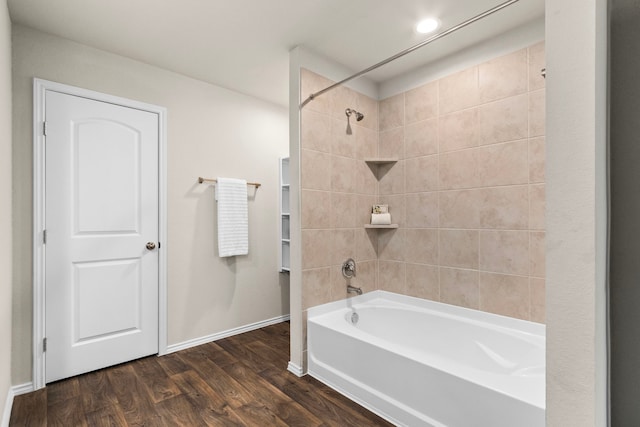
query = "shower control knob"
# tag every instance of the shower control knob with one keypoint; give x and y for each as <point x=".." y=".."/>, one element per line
<point x="151" y="246"/>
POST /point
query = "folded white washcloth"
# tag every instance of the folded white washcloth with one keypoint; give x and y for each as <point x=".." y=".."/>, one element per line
<point x="381" y="219"/>
<point x="233" y="217"/>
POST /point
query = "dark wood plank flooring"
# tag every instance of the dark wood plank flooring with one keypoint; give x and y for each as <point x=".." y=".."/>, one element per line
<point x="236" y="381"/>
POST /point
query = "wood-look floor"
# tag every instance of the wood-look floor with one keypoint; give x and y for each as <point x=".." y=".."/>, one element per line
<point x="237" y="381"/>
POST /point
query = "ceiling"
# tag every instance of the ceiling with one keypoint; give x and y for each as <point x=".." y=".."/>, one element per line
<point x="244" y="45"/>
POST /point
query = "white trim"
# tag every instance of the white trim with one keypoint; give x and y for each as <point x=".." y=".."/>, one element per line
<point x="39" y="214"/>
<point x="22" y="389"/>
<point x="224" y="334"/>
<point x="295" y="369"/>
<point x="8" y="404"/>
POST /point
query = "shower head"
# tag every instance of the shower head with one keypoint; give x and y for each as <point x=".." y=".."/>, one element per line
<point x="349" y="112"/>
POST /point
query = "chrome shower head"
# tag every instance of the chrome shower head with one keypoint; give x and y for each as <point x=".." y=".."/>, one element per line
<point x="349" y="112"/>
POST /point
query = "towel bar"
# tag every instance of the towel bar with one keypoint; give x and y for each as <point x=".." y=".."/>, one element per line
<point x="201" y="180"/>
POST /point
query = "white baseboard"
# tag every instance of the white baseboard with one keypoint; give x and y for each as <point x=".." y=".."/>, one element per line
<point x="6" y="415"/>
<point x="224" y="334"/>
<point x="295" y="369"/>
<point x="22" y="389"/>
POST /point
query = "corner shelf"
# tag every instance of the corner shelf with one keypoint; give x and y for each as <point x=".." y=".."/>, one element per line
<point x="381" y="161"/>
<point x="381" y="226"/>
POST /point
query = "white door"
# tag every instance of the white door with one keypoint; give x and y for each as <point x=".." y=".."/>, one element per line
<point x="101" y="207"/>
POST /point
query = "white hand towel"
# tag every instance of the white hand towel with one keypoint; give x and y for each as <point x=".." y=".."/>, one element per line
<point x="233" y="217"/>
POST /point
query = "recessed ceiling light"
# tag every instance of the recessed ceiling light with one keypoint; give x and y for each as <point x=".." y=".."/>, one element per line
<point x="427" y="25"/>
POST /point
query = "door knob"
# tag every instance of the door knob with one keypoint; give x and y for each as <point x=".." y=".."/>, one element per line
<point x="151" y="246"/>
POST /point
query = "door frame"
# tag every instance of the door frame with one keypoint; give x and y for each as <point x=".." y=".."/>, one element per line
<point x="39" y="213"/>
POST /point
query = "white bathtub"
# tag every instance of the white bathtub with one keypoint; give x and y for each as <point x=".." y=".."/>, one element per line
<point x="422" y="363"/>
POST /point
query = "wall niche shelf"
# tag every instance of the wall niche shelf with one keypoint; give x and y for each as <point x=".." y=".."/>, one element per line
<point x="283" y="226"/>
<point x="381" y="226"/>
<point x="381" y="161"/>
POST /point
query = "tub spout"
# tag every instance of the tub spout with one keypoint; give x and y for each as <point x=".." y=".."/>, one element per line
<point x="354" y="289"/>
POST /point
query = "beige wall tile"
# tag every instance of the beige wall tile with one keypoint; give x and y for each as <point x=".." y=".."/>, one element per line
<point x="536" y="64"/>
<point x="343" y="210"/>
<point x="391" y="244"/>
<point x="363" y="209"/>
<point x="397" y="208"/>
<point x="458" y="130"/>
<point x="316" y="286"/>
<point x="343" y="174"/>
<point x="422" y="210"/>
<point x="311" y="82"/>
<point x="459" y="248"/>
<point x="459" y="287"/>
<point x="421" y="138"/>
<point x="338" y="285"/>
<point x="505" y="208"/>
<point x="366" y="244"/>
<point x="391" y="178"/>
<point x="537" y="205"/>
<point x="421" y="103"/>
<point x="505" y="295"/>
<point x="536" y="113"/>
<point x="421" y="246"/>
<point x="343" y="98"/>
<point x="458" y="91"/>
<point x="391" y="143"/>
<point x="421" y="174"/>
<point x="504" y="252"/>
<point x="471" y="149"/>
<point x="369" y="107"/>
<point x="391" y="112"/>
<point x="343" y="245"/>
<point x="459" y="169"/>
<point x="366" y="181"/>
<point x="423" y="281"/>
<point x="459" y="209"/>
<point x="315" y="171"/>
<point x="316" y="248"/>
<point x="536" y="159"/>
<point x="391" y="276"/>
<point x="315" y="131"/>
<point x="504" y="164"/>
<point x="504" y="120"/>
<point x="341" y="143"/>
<point x="504" y="76"/>
<point x="316" y="209"/>
<point x="537" y="264"/>
<point x="368" y="279"/>
<point x="366" y="143"/>
<point x="538" y="295"/>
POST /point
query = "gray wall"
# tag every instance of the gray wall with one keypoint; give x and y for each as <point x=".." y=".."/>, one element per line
<point x="625" y="213"/>
<point x="5" y="208"/>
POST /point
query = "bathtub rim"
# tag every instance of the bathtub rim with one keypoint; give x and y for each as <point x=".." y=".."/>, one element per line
<point x="498" y="320"/>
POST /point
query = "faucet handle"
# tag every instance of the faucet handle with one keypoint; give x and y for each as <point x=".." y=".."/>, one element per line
<point x="349" y="268"/>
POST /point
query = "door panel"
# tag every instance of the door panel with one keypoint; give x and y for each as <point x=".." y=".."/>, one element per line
<point x="101" y="210"/>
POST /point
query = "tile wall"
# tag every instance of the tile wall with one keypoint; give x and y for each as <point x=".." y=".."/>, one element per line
<point x="467" y="190"/>
<point x="337" y="191"/>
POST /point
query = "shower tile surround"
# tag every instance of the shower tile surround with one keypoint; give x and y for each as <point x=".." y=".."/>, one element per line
<point x="467" y="192"/>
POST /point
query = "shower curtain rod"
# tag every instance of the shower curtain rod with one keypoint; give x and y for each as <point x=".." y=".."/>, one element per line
<point x="411" y="49"/>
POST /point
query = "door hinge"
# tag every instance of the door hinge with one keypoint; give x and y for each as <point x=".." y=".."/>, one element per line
<point x="44" y="128"/>
<point x="44" y="345"/>
<point x="44" y="237"/>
